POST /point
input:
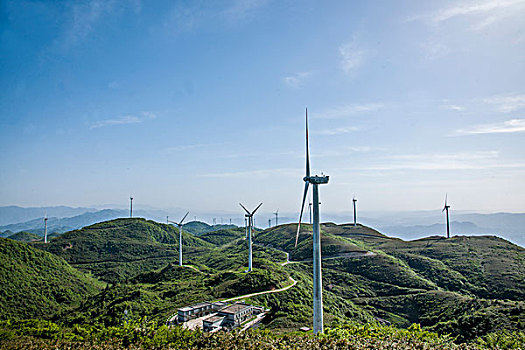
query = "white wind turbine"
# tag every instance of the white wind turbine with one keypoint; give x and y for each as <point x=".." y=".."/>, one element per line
<point x="180" y="224"/>
<point x="318" y="283"/>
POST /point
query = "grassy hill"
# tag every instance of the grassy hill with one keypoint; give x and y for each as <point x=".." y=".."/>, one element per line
<point x="36" y="284"/>
<point x="443" y="284"/>
<point x="198" y="227"/>
<point x="465" y="286"/>
<point x="25" y="237"/>
<point x="120" y="249"/>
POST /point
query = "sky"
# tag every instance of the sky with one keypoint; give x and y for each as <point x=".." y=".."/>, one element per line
<point x="201" y="104"/>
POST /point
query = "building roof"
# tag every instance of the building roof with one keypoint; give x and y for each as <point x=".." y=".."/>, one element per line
<point x="235" y="308"/>
<point x="213" y="319"/>
<point x="186" y="308"/>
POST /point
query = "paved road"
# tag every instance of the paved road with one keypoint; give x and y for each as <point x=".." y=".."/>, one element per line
<point x="294" y="282"/>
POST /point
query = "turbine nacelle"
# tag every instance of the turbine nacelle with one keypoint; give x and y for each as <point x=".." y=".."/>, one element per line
<point x="316" y="180"/>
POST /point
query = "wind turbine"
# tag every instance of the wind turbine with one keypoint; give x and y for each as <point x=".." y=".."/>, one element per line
<point x="45" y="228"/>
<point x="446" y="208"/>
<point x="355" y="212"/>
<point x="249" y="216"/>
<point x="180" y="224"/>
<point x="318" y="287"/>
<point x="269" y="223"/>
<point x="130" y="206"/>
<point x="276" y="217"/>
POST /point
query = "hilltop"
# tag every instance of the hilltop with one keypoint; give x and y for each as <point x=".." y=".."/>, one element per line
<point x="120" y="249"/>
<point x="37" y="284"/>
<point x="25" y="237"/>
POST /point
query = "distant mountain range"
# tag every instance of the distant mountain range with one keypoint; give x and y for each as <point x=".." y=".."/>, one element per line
<point x="405" y="225"/>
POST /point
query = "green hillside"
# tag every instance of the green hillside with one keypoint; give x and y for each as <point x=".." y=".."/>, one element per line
<point x="25" y="237"/>
<point x="221" y="237"/>
<point x="36" y="284"/>
<point x="467" y="287"/>
<point x="198" y="228"/>
<point x="120" y="249"/>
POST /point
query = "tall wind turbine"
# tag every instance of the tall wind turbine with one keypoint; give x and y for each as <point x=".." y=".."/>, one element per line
<point x="355" y="211"/>
<point x="446" y="208"/>
<point x="45" y="228"/>
<point x="249" y="216"/>
<point x="180" y="224"/>
<point x="276" y="217"/>
<point x="130" y="206"/>
<point x="318" y="283"/>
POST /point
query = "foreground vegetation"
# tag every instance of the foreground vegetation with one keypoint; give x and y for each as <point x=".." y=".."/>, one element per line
<point x="35" y="334"/>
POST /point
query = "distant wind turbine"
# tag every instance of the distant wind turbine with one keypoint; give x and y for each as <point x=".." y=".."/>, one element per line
<point x="355" y="211"/>
<point x="180" y="224"/>
<point x="130" y="206"/>
<point x="249" y="216"/>
<point x="45" y="228"/>
<point x="276" y="217"/>
<point x="446" y="207"/>
<point x="269" y="223"/>
<point x="318" y="287"/>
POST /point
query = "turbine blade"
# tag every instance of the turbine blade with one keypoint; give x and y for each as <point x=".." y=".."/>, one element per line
<point x="246" y="210"/>
<point x="302" y="208"/>
<point x="446" y="195"/>
<point x="184" y="218"/>
<point x="307" y="148"/>
<point x="256" y="208"/>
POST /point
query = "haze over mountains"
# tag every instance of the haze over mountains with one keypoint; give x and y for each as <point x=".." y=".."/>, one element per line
<point x="405" y="225"/>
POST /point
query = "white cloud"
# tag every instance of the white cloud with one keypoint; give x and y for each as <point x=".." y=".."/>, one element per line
<point x="509" y="126"/>
<point x="475" y="8"/>
<point x="479" y="14"/>
<point x="452" y="161"/>
<point x="296" y="80"/>
<point x="507" y="103"/>
<point x="352" y="57"/>
<point x="255" y="173"/>
<point x="126" y="119"/>
<point x="349" y="110"/>
<point x="337" y="131"/>
<point x="455" y="108"/>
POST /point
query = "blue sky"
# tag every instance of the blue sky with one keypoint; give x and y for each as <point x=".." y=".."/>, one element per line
<point x="200" y="104"/>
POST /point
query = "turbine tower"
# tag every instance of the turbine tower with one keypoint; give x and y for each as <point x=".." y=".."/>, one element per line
<point x="446" y="208"/>
<point x="45" y="228"/>
<point x="318" y="282"/>
<point x="249" y="216"/>
<point x="276" y="217"/>
<point x="130" y="206"/>
<point x="269" y="223"/>
<point x="310" y="210"/>
<point x="180" y="224"/>
<point x="355" y="211"/>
